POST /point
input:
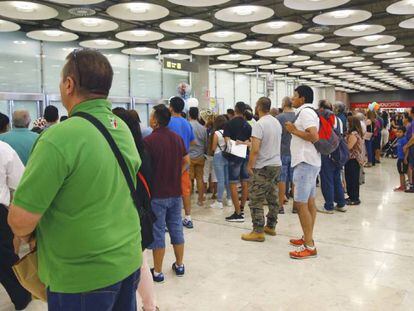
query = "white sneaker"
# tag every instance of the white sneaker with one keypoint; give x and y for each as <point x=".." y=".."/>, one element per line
<point x="217" y="204"/>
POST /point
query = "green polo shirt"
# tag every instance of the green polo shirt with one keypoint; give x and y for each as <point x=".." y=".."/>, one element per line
<point x="21" y="140"/>
<point x="89" y="234"/>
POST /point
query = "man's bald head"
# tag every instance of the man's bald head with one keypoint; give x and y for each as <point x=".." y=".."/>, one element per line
<point x="21" y="119"/>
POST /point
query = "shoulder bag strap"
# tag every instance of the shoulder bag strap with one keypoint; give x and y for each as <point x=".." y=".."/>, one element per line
<point x="121" y="161"/>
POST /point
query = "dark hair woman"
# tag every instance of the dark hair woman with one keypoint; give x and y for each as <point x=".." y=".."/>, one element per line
<point x="220" y="163"/>
<point x="356" y="160"/>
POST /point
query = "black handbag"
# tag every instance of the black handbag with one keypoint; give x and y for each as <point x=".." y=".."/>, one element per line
<point x="143" y="206"/>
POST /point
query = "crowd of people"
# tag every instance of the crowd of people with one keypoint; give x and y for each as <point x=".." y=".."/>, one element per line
<point x="88" y="234"/>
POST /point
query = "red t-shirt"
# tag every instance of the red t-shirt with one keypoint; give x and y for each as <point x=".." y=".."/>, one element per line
<point x="167" y="151"/>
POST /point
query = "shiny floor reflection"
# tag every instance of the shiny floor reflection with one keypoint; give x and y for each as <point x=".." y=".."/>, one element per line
<point x="365" y="259"/>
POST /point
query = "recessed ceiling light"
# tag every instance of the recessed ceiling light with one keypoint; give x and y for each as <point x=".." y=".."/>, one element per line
<point x="209" y="49"/>
<point x="274" y="50"/>
<point x="138" y="8"/>
<point x="319" y="45"/>
<point x="384" y="46"/>
<point x="223" y="34"/>
<point x="25" y="7"/>
<point x="342" y="14"/>
<point x="234" y="55"/>
<point x="251" y="42"/>
<point x="178" y="41"/>
<point x="102" y="42"/>
<point x="141" y="48"/>
<point x="391" y="53"/>
<point x="244" y="10"/>
<point x="373" y="38"/>
<point x="359" y="27"/>
<point x="276" y="25"/>
<point x="17" y="61"/>
<point x="187" y="22"/>
<point x="140" y="33"/>
<point x="334" y="52"/>
<point x="53" y="33"/>
<point x="90" y="22"/>
<point x="300" y="35"/>
<point x="19" y="42"/>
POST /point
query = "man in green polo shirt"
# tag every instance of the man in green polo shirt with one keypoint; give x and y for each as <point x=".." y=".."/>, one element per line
<point x="74" y="194"/>
<point x="20" y="138"/>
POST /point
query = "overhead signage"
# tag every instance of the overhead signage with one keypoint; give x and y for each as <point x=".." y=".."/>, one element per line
<point x="182" y="65"/>
<point x="386" y="104"/>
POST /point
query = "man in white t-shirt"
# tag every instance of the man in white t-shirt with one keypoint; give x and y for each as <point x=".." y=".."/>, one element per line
<point x="11" y="170"/>
<point x="264" y="166"/>
<point x="306" y="161"/>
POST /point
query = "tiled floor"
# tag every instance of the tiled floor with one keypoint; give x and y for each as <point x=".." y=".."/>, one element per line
<point x="365" y="261"/>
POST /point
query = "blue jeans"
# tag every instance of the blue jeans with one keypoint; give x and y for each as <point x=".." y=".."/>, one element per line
<point x="304" y="179"/>
<point x="286" y="174"/>
<point x="331" y="183"/>
<point x="370" y="154"/>
<point x="221" y="168"/>
<point x="168" y="213"/>
<point x="238" y="170"/>
<point x="118" y="297"/>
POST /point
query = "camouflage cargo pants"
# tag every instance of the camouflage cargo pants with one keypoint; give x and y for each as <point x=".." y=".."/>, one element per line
<point x="263" y="187"/>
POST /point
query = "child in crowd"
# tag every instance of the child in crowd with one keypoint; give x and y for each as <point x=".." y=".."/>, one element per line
<point x="402" y="162"/>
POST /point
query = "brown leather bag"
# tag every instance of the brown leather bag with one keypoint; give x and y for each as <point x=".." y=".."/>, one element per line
<point x="26" y="272"/>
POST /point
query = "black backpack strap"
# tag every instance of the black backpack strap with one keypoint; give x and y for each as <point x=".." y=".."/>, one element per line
<point x="118" y="155"/>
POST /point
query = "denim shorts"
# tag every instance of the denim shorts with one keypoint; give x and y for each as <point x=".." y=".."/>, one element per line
<point x="286" y="174"/>
<point x="168" y="213"/>
<point x="238" y="170"/>
<point x="304" y="179"/>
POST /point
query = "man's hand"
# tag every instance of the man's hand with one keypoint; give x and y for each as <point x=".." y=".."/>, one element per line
<point x="290" y="127"/>
<point x="405" y="149"/>
<point x="250" y="171"/>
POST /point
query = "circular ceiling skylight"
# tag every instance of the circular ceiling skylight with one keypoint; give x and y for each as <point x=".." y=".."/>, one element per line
<point x="139" y="35"/>
<point x="223" y="66"/>
<point x="307" y="63"/>
<point x="26" y="10"/>
<point x="332" y="70"/>
<point x="273" y="66"/>
<point x="392" y="55"/>
<point x="137" y="11"/>
<point x="313" y="5"/>
<point x="53" y="35"/>
<point x="373" y="40"/>
<point x="140" y="50"/>
<point x="342" y="17"/>
<point x="288" y="70"/>
<point x="301" y="38"/>
<point x="319" y="46"/>
<point x="223" y="36"/>
<point x="347" y="59"/>
<point x="198" y="3"/>
<point x="251" y="45"/>
<point x="321" y="67"/>
<point x="276" y="27"/>
<point x="408" y="23"/>
<point x="335" y="53"/>
<point x="178" y="44"/>
<point x="89" y="24"/>
<point x="210" y="51"/>
<point x="401" y="65"/>
<point x="242" y="70"/>
<point x="367" y="68"/>
<point x="256" y="62"/>
<point x="77" y="2"/>
<point x="244" y="14"/>
<point x="293" y="58"/>
<point x="398" y="60"/>
<point x="234" y="57"/>
<point x="357" y="64"/>
<point x="177" y="56"/>
<point x="404" y="7"/>
<point x="186" y="25"/>
<point x="359" y="30"/>
<point x="6" y="26"/>
<point x="101" y="44"/>
<point x="384" y="48"/>
<point x="274" y="52"/>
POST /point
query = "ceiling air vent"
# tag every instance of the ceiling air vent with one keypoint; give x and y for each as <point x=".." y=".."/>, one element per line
<point x="82" y="12"/>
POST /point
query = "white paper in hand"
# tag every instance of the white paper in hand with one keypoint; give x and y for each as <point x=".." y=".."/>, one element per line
<point x="238" y="150"/>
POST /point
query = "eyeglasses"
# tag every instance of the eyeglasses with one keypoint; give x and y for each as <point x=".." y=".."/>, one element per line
<point x="75" y="59"/>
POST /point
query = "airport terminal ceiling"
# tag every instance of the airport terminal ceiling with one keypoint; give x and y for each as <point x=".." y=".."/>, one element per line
<point x="353" y="45"/>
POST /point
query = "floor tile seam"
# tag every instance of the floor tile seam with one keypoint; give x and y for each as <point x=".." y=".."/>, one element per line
<point x="319" y="241"/>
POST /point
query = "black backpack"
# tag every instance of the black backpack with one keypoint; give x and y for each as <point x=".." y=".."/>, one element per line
<point x="141" y="194"/>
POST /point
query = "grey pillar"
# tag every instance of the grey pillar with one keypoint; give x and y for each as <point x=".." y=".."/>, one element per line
<point x="199" y="82"/>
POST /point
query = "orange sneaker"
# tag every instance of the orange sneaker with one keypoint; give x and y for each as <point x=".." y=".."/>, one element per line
<point x="297" y="242"/>
<point x="303" y="252"/>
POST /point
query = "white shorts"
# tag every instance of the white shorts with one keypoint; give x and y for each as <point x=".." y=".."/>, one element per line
<point x="209" y="170"/>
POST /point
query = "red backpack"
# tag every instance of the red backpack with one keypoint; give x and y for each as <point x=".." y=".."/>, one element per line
<point x="328" y="139"/>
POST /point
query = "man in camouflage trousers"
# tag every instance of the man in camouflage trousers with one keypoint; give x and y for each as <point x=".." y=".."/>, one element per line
<point x="264" y="167"/>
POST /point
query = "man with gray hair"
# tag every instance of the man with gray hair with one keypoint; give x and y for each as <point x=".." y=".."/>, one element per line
<point x="286" y="175"/>
<point x="340" y="111"/>
<point x="20" y="138"/>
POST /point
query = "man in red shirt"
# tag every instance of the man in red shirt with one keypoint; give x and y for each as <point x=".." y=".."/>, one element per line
<point x="169" y="159"/>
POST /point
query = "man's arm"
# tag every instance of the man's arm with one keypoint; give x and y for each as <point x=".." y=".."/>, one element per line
<point x="253" y="154"/>
<point x="409" y="144"/>
<point x="186" y="163"/>
<point x="22" y="222"/>
<point x="310" y="134"/>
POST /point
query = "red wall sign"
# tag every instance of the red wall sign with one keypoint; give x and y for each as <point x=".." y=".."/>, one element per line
<point x="386" y="104"/>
